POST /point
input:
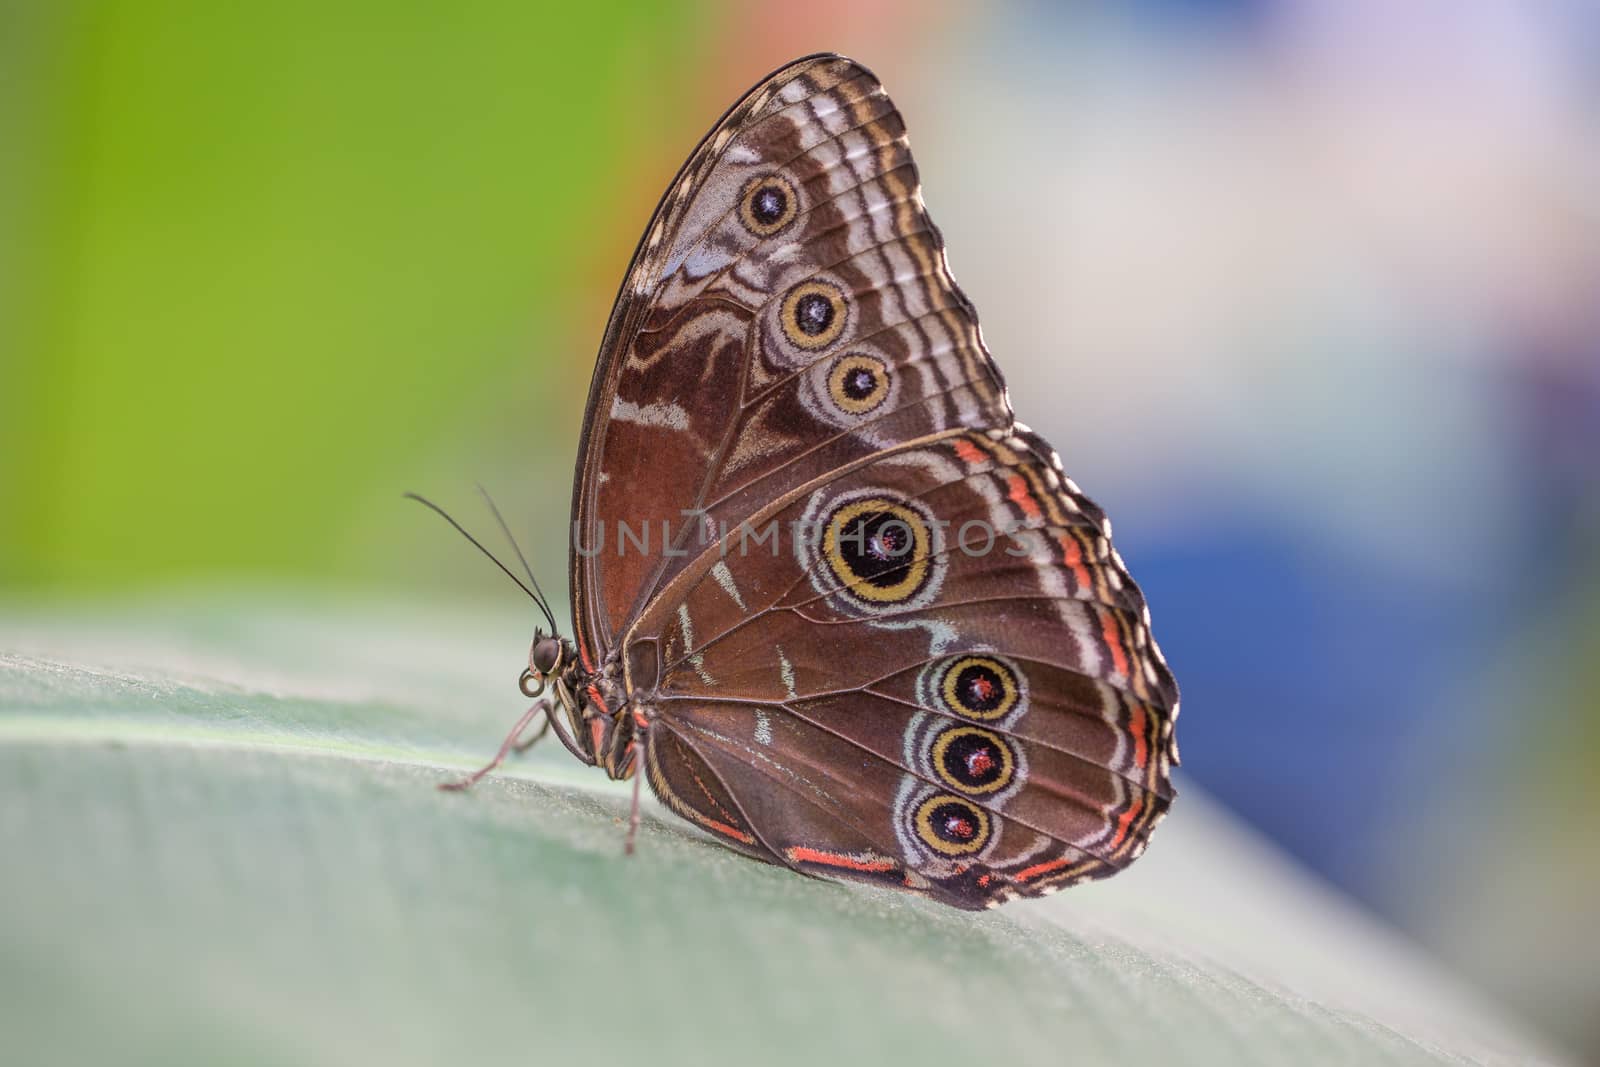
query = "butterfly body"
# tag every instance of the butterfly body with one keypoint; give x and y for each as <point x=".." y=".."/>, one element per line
<point x="833" y="603"/>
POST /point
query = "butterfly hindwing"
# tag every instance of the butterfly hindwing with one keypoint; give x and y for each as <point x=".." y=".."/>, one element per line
<point x="1012" y="674"/>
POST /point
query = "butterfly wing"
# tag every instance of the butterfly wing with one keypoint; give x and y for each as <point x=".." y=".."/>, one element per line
<point x="787" y="312"/>
<point x="790" y="356"/>
<point x="979" y="712"/>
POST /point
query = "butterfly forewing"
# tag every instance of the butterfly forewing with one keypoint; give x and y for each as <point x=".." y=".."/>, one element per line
<point x="866" y="625"/>
<point x="747" y="356"/>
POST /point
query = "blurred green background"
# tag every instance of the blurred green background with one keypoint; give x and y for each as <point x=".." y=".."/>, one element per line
<point x="273" y="263"/>
<point x="1312" y="313"/>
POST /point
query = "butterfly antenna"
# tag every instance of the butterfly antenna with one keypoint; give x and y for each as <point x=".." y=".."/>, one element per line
<point x="544" y="604"/>
<point x="445" y="515"/>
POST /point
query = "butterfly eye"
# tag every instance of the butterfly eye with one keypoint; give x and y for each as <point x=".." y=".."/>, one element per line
<point x="531" y="684"/>
<point x="813" y="315"/>
<point x="546" y="656"/>
<point x="767" y="205"/>
<point x="858" y="383"/>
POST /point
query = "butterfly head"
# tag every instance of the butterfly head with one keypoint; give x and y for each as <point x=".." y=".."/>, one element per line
<point x="547" y="653"/>
<point x="553" y="659"/>
<point x="546" y="657"/>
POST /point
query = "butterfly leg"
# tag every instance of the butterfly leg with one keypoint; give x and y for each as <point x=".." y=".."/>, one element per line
<point x="522" y="746"/>
<point x="633" y="812"/>
<point x="506" y="747"/>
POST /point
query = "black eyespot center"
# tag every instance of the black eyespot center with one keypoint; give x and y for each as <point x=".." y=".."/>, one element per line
<point x="768" y="203"/>
<point x="813" y="314"/>
<point x="877" y="547"/>
<point x="981" y="687"/>
<point x="954" y="822"/>
<point x="973" y="760"/>
<point x="859" y="383"/>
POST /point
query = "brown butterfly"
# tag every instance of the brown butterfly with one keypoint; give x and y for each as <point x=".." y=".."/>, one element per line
<point x="841" y="609"/>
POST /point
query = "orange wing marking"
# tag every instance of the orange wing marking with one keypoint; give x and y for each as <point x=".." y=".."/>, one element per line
<point x="801" y="854"/>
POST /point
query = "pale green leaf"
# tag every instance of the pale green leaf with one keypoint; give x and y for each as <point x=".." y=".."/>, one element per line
<point x="222" y="844"/>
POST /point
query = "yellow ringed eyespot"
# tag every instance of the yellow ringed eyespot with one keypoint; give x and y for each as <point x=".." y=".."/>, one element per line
<point x="813" y="315"/>
<point x="857" y="382"/>
<point x="768" y="204"/>
<point x="951" y="825"/>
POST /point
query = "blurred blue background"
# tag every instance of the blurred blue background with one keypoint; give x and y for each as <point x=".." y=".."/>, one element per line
<point x="1304" y="291"/>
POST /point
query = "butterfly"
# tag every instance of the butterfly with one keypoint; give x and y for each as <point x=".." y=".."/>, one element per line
<point x="831" y="600"/>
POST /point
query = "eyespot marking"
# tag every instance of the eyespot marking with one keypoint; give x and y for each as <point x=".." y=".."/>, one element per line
<point x="973" y="760"/>
<point x="979" y="687"/>
<point x="878" y="549"/>
<point x="768" y="204"/>
<point x="858" y="383"/>
<point x="951" y="825"/>
<point x="813" y="315"/>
